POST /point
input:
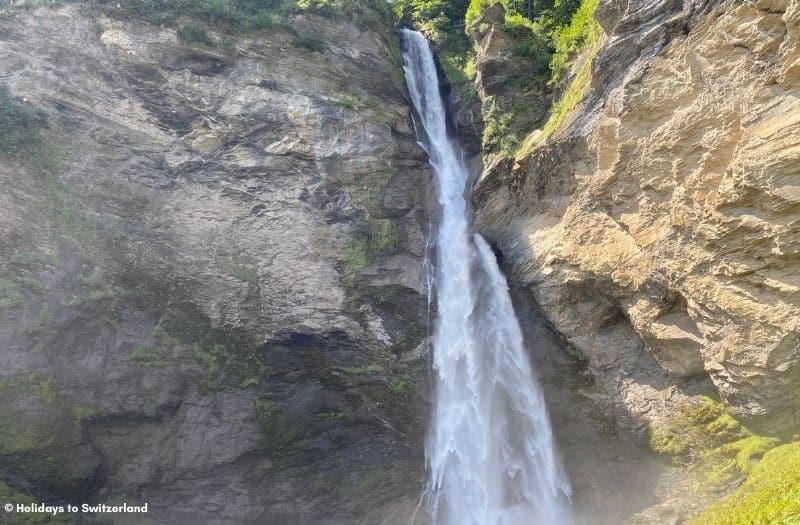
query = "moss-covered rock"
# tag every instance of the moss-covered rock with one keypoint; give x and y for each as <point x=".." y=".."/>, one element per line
<point x="769" y="496"/>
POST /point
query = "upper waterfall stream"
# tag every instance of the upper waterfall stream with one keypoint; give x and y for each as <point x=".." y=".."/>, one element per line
<point x="490" y="453"/>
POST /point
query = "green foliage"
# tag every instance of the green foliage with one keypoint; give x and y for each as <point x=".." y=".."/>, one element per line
<point x="460" y="70"/>
<point x="150" y="356"/>
<point x="475" y="10"/>
<point x="9" y="495"/>
<point x="366" y="370"/>
<point x="400" y="387"/>
<point x="582" y="31"/>
<point x="21" y="126"/>
<point x="496" y="134"/>
<point x="277" y="433"/>
<point x="195" y="33"/>
<point x="309" y="41"/>
<point x="770" y="495"/>
<point x="10" y="294"/>
<point x="571" y="97"/>
<point x="368" y="238"/>
<point x="532" y="41"/>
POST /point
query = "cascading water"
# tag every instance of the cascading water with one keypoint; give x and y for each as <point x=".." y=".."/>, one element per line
<point x="490" y="451"/>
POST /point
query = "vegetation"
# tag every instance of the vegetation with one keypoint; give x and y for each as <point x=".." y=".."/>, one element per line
<point x="370" y="236"/>
<point x="278" y="434"/>
<point x="770" y="495"/>
<point x="196" y="33"/>
<point x="21" y="126"/>
<point x="309" y="41"/>
<point x="10" y="294"/>
<point x="571" y="97"/>
<point x="366" y="370"/>
<point x="9" y="495"/>
<point x="547" y="33"/>
<point x="707" y="438"/>
<point x="443" y="21"/>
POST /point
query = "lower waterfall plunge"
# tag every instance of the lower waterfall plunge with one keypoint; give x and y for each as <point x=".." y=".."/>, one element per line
<point x="490" y="453"/>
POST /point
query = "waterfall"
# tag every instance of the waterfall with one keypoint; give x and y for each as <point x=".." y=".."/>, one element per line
<point x="490" y="452"/>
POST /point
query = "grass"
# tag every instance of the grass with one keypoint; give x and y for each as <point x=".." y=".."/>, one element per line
<point x="570" y="39"/>
<point x="769" y="496"/>
<point x="196" y="33"/>
<point x="573" y="95"/>
<point x="309" y="41"/>
<point x="707" y="438"/>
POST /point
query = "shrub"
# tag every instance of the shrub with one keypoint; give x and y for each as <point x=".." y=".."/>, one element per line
<point x="20" y="126"/>
<point x="582" y="30"/>
<point x="309" y="41"/>
<point x="194" y="33"/>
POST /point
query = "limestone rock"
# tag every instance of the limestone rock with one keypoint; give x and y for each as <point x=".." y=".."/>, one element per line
<point x="182" y="297"/>
<point x="659" y="230"/>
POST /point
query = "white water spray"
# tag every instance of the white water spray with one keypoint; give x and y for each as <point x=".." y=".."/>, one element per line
<point x="490" y="452"/>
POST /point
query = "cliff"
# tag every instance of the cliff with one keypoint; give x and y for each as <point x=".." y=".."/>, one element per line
<point x="656" y="225"/>
<point x="212" y="267"/>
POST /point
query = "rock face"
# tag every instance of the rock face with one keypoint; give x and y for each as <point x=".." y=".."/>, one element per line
<point x="205" y="295"/>
<point x="658" y="230"/>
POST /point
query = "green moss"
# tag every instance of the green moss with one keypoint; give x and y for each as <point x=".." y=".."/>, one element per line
<point x="711" y="442"/>
<point x="228" y="365"/>
<point x="196" y="33"/>
<point x="9" y="495"/>
<point x="32" y="284"/>
<point x="310" y="41"/>
<point x="700" y="426"/>
<point x="230" y="358"/>
<point x="148" y="356"/>
<point x="41" y="387"/>
<point x="20" y="126"/>
<point x="369" y="238"/>
<point x="400" y="386"/>
<point x="729" y="461"/>
<point x="10" y="294"/>
<point x="770" y="495"/>
<point x="278" y="434"/>
<point x="366" y="370"/>
<point x="331" y="415"/>
<point x="66" y="214"/>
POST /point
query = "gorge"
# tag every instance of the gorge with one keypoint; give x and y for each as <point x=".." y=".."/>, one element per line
<point x="218" y="221"/>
